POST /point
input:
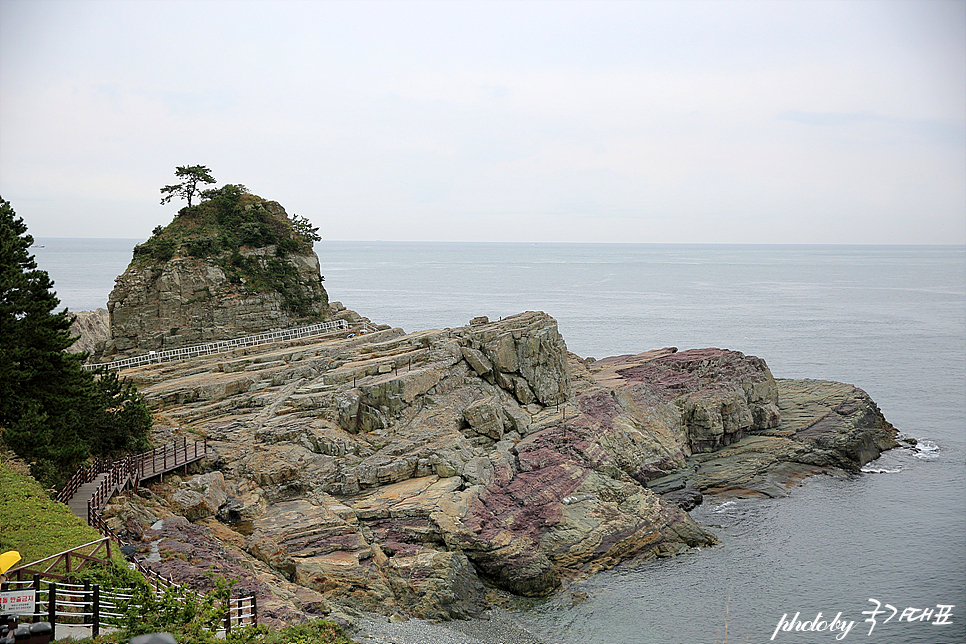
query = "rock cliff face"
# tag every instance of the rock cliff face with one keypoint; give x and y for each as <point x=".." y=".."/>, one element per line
<point x="223" y="269"/>
<point x="90" y="328"/>
<point x="405" y="472"/>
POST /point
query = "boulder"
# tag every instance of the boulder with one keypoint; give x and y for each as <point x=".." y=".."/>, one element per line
<point x="201" y="496"/>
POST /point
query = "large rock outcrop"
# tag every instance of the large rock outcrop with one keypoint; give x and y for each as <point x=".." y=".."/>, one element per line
<point x="231" y="266"/>
<point x="399" y="472"/>
<point x="90" y="328"/>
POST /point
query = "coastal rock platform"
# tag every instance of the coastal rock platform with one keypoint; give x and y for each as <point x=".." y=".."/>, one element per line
<point x="429" y="474"/>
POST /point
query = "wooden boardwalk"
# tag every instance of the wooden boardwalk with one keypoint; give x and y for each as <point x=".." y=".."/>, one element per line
<point x="90" y="489"/>
<point x="78" y="502"/>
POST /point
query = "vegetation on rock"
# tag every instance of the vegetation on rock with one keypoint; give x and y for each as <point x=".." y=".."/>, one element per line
<point x="53" y="414"/>
<point x="174" y="621"/>
<point x="228" y="222"/>
<point x="37" y="527"/>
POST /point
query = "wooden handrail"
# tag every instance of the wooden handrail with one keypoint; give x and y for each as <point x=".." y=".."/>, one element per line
<point x="131" y="470"/>
<point x="35" y="567"/>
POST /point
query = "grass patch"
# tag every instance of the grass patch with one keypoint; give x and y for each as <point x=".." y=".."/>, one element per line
<point x="37" y="526"/>
<point x="34" y="524"/>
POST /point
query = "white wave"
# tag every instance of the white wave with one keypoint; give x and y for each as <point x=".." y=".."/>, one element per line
<point x="926" y="450"/>
<point x="881" y="470"/>
<point x="725" y="506"/>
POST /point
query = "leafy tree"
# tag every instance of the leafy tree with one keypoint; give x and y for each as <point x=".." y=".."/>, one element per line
<point x="52" y="412"/>
<point x="305" y="229"/>
<point x="191" y="176"/>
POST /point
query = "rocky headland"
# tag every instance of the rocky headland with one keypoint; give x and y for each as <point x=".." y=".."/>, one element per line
<point x="431" y="474"/>
<point x="428" y="474"/>
<point x="234" y="265"/>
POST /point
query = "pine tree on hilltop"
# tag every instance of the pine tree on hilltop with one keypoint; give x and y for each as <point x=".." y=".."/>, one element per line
<point x="52" y="412"/>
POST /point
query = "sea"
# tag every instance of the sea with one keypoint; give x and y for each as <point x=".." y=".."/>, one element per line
<point x="877" y="556"/>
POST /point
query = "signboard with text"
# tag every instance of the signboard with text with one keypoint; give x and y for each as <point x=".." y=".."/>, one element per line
<point x="18" y="602"/>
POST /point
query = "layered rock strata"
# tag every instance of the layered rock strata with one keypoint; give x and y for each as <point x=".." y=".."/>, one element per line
<point x="410" y="472"/>
<point x="90" y="328"/>
<point x="190" y="301"/>
<point x="826" y="426"/>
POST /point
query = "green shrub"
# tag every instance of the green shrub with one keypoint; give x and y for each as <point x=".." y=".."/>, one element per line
<point x="228" y="219"/>
<point x="177" y="610"/>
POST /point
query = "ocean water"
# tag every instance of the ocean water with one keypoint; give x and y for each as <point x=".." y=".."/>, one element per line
<point x="890" y="319"/>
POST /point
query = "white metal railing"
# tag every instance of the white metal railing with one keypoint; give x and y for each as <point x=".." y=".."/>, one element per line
<point x="222" y="346"/>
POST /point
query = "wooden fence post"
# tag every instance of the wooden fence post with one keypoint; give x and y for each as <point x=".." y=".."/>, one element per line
<point x="255" y="610"/>
<point x="96" y="617"/>
<point x="52" y="608"/>
<point x="36" y="588"/>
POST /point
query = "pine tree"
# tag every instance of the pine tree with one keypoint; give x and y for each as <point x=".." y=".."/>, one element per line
<point x="52" y="412"/>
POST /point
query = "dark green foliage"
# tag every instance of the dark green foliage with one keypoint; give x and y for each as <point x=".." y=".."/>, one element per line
<point x="53" y="413"/>
<point x="304" y="228"/>
<point x="229" y="193"/>
<point x="178" y="611"/>
<point x="118" y="415"/>
<point x="314" y="631"/>
<point x="157" y="248"/>
<point x="191" y="176"/>
<point x="204" y="246"/>
<point x="116" y="574"/>
<point x="231" y="218"/>
<point x="255" y="233"/>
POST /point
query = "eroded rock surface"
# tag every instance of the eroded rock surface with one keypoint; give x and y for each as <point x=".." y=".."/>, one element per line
<point x="90" y="328"/>
<point x="403" y="472"/>
<point x="825" y="426"/>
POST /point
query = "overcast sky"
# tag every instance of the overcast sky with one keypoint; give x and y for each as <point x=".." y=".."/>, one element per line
<point x="732" y="122"/>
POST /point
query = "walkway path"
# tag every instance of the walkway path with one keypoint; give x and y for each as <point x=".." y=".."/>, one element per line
<point x="90" y="489"/>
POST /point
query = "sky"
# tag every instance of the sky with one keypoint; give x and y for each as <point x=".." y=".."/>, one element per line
<point x="656" y="122"/>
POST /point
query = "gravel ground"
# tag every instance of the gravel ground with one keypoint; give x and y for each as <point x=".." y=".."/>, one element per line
<point x="496" y="626"/>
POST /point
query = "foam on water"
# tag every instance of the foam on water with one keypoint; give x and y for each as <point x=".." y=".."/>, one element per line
<point x="927" y="450"/>
<point x="724" y="507"/>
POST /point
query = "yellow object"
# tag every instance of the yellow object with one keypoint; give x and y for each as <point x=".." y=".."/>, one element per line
<point x="8" y="559"/>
